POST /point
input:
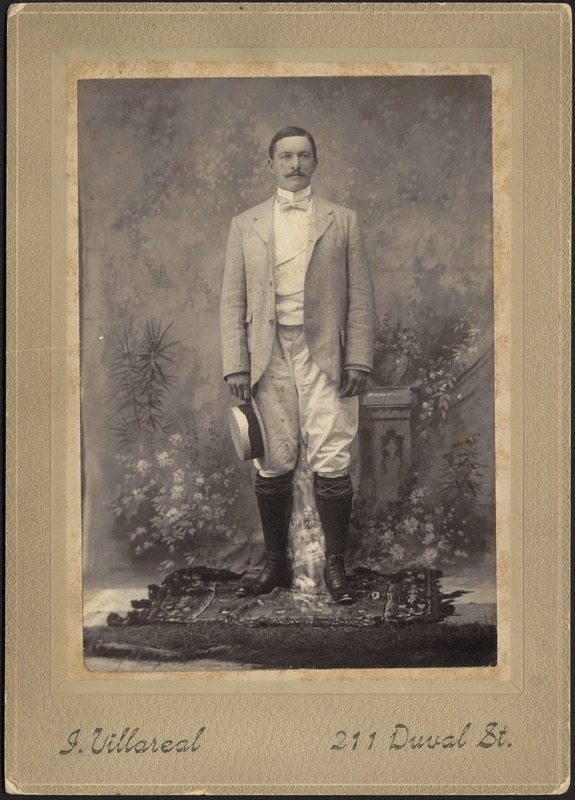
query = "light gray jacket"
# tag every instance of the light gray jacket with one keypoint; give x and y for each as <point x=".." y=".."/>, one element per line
<point x="338" y="294"/>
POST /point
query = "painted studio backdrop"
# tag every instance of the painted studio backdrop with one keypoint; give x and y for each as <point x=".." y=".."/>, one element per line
<point x="164" y="165"/>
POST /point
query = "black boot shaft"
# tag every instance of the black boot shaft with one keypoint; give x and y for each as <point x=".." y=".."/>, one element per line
<point x="334" y="500"/>
<point x="274" y="497"/>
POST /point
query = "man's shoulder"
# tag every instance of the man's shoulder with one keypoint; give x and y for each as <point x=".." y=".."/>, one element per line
<point x="336" y="208"/>
<point x="254" y="211"/>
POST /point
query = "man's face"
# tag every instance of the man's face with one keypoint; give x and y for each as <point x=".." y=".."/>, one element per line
<point x="293" y="163"/>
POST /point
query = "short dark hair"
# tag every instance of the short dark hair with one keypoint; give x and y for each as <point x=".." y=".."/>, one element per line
<point x="291" y="131"/>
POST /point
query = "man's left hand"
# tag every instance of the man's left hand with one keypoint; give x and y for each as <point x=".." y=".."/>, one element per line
<point x="353" y="383"/>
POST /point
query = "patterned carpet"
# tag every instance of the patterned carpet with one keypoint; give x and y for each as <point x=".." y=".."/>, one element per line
<point x="194" y="594"/>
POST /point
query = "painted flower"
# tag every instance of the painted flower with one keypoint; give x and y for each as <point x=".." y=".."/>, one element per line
<point x="178" y="476"/>
<point x="142" y="466"/>
<point x="197" y="498"/>
<point x="411" y="524"/>
<point x="177" y="491"/>
<point x="305" y="584"/>
<point x="397" y="552"/>
<point x="312" y="551"/>
<point x="429" y="555"/>
<point x="173" y="513"/>
<point x="429" y="527"/>
<point x="175" y="439"/>
<point x="163" y="459"/>
<point x="428" y="538"/>
<point x="200" y="480"/>
<point x="417" y="496"/>
<point x="388" y="535"/>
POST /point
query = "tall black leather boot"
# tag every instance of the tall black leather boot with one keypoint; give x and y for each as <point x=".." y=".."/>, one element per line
<point x="334" y="498"/>
<point x="274" y="496"/>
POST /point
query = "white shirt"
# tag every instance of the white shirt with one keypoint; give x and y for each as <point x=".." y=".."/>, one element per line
<point x="291" y="232"/>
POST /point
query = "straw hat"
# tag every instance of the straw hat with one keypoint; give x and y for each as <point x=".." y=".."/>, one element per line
<point x="247" y="431"/>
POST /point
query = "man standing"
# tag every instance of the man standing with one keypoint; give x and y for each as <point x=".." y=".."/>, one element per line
<point x="297" y="323"/>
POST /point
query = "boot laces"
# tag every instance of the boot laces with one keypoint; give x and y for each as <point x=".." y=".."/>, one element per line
<point x="336" y="563"/>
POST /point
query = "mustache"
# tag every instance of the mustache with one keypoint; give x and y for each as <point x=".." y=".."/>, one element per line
<point x="297" y="174"/>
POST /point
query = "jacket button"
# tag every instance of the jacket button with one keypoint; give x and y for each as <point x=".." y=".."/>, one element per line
<point x="272" y="322"/>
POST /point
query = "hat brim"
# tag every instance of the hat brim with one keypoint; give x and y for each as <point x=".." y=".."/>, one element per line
<point x="248" y="432"/>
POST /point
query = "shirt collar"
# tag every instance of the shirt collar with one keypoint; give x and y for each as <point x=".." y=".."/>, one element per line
<point x="293" y="196"/>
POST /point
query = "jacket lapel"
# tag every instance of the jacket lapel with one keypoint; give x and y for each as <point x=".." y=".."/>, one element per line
<point x="264" y="227"/>
<point x="322" y="217"/>
<point x="264" y="221"/>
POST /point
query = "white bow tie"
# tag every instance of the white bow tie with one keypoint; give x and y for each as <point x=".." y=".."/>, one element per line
<point x="287" y="205"/>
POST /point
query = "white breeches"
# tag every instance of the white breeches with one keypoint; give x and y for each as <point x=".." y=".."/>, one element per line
<point x="295" y="397"/>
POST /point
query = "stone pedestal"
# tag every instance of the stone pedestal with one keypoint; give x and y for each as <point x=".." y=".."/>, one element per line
<point x="384" y="441"/>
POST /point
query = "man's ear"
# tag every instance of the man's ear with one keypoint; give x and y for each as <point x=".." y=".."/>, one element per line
<point x="271" y="166"/>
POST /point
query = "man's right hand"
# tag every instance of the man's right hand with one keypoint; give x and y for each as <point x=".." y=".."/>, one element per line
<point x="239" y="383"/>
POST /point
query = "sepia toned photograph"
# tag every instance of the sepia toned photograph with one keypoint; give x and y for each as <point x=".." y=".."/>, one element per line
<point x="287" y="372"/>
<point x="288" y="376"/>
